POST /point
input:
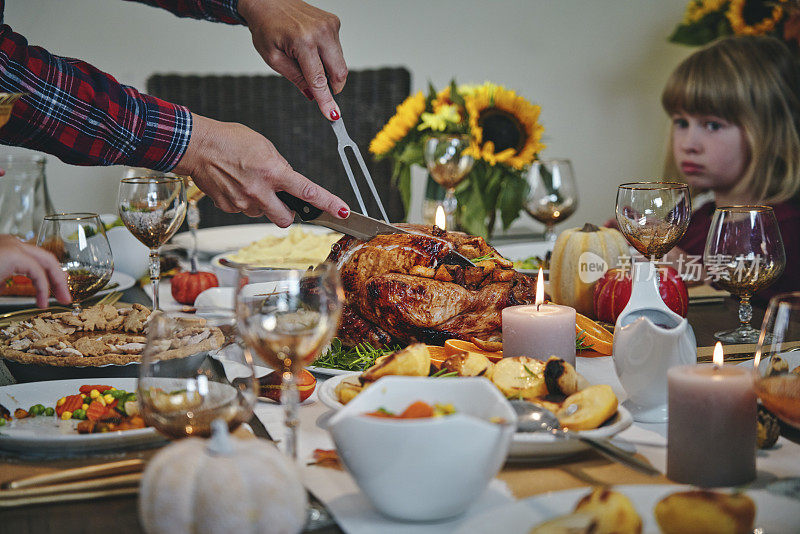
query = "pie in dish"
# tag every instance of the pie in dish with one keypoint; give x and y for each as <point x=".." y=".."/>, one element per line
<point x="100" y="335"/>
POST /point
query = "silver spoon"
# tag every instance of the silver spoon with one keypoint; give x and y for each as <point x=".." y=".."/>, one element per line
<point x="534" y="418"/>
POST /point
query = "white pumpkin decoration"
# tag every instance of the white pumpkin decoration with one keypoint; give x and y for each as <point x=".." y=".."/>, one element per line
<point x="197" y="486"/>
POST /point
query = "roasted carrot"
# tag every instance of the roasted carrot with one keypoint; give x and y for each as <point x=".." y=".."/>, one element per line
<point x="95" y="411"/>
<point x="417" y="410"/>
<point x="87" y="389"/>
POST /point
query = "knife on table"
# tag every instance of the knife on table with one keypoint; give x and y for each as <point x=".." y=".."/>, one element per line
<point x="356" y="225"/>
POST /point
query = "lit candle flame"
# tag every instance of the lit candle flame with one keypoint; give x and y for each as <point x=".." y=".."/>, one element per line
<point x="441" y="220"/>
<point x="539" y="288"/>
<point x="718" y="354"/>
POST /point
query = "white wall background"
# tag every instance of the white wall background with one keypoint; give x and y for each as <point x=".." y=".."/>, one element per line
<point x="596" y="67"/>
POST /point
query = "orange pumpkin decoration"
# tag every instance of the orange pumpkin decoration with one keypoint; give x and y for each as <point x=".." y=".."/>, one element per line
<point x="186" y="286"/>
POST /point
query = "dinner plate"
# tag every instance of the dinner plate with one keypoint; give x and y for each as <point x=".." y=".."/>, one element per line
<point x="50" y="436"/>
<point x="524" y="445"/>
<point x="213" y="241"/>
<point x="125" y="281"/>
<point x="774" y="513"/>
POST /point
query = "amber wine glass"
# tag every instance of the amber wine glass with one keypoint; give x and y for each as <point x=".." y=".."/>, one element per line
<point x="286" y="317"/>
<point x="182" y="396"/>
<point x="553" y="193"/>
<point x="152" y="208"/>
<point x="744" y="254"/>
<point x="777" y="358"/>
<point x="448" y="160"/>
<point x="79" y="243"/>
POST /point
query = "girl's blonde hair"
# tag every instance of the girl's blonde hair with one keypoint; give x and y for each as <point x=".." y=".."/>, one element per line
<point x="754" y="83"/>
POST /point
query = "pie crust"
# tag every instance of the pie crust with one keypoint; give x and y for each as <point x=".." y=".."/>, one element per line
<point x="100" y="335"/>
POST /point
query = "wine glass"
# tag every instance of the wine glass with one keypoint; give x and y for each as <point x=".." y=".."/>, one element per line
<point x="181" y="395"/>
<point x="79" y="243"/>
<point x="777" y="360"/>
<point x="449" y="163"/>
<point x="286" y="317"/>
<point x="193" y="196"/>
<point x="152" y="208"/>
<point x="553" y="193"/>
<point x="744" y="254"/>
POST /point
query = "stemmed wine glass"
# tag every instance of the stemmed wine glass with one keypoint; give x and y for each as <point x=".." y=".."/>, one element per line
<point x="79" y="243"/>
<point x="448" y="163"/>
<point x="152" y="208"/>
<point x="286" y="317"/>
<point x="777" y="360"/>
<point x="181" y="395"/>
<point x="553" y="193"/>
<point x="193" y="196"/>
<point x="653" y="216"/>
<point x="744" y="254"/>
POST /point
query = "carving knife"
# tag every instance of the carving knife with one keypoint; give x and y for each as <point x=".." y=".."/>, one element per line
<point x="357" y="225"/>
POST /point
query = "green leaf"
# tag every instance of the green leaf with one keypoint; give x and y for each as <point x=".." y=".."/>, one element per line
<point x="455" y="96"/>
<point x="402" y="178"/>
<point x="512" y="199"/>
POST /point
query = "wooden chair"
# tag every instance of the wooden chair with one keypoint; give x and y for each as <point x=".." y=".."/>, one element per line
<point x="272" y="106"/>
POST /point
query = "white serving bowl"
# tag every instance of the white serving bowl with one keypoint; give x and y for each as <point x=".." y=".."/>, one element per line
<point x="424" y="469"/>
<point x="131" y="256"/>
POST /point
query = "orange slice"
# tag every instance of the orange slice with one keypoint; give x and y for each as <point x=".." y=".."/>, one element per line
<point x="598" y="337"/>
<point x="458" y="346"/>
<point x="438" y="355"/>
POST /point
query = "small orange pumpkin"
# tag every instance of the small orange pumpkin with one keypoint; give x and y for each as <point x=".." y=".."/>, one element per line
<point x="187" y="285"/>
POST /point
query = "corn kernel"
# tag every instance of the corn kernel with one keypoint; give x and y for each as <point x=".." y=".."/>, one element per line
<point x="61" y="401"/>
<point x="83" y="395"/>
<point x="111" y="389"/>
<point x="94" y="394"/>
<point x="108" y="398"/>
<point x="84" y="406"/>
<point x="66" y="416"/>
<point x="100" y="400"/>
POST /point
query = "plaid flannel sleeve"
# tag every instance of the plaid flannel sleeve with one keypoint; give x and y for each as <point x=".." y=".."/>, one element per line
<point x="215" y="10"/>
<point x="84" y="116"/>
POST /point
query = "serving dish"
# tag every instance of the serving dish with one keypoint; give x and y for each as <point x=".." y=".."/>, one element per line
<point x="774" y="513"/>
<point x="49" y="436"/>
<point x="213" y="241"/>
<point x="526" y="446"/>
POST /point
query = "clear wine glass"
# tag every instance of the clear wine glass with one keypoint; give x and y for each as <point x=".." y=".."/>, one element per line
<point x="744" y="254"/>
<point x="448" y="163"/>
<point x="777" y="358"/>
<point x="193" y="196"/>
<point x="152" y="209"/>
<point x="79" y="243"/>
<point x="182" y="394"/>
<point x="553" y="193"/>
<point x="286" y="317"/>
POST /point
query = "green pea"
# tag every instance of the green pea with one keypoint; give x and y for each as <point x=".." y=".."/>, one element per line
<point x="79" y="414"/>
<point x="118" y="393"/>
<point x="49" y="411"/>
<point x="36" y="409"/>
<point x="2" y="421"/>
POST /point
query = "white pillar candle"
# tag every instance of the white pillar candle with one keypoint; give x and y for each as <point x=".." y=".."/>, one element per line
<point x="539" y="330"/>
<point x="711" y="435"/>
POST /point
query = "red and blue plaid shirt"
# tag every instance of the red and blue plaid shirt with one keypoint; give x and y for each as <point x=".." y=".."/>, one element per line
<point x="84" y="116"/>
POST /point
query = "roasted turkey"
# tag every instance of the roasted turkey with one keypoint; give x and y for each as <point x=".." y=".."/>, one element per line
<point x="397" y="290"/>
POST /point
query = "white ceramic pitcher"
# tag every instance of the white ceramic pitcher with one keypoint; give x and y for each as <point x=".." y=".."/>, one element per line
<point x="649" y="338"/>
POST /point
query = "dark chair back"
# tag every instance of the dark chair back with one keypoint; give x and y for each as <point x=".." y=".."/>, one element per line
<point x="272" y="106"/>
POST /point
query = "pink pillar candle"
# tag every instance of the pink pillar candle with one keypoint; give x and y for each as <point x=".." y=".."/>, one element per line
<point x="711" y="434"/>
<point x="539" y="331"/>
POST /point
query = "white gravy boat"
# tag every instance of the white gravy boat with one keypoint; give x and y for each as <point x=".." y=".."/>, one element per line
<point x="649" y="338"/>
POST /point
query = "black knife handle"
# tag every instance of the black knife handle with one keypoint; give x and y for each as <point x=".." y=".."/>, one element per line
<point x="304" y="210"/>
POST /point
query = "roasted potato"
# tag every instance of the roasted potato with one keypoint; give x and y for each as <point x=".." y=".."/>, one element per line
<point x="709" y="512"/>
<point x="520" y="377"/>
<point x="469" y="364"/>
<point x="588" y="409"/>
<point x="560" y="377"/>
<point x="348" y="388"/>
<point x="613" y="511"/>
<point x="414" y="360"/>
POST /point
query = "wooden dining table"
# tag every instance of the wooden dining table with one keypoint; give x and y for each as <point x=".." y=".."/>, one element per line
<point x="119" y="515"/>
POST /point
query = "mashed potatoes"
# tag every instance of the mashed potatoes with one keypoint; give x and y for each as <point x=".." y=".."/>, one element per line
<point x="297" y="250"/>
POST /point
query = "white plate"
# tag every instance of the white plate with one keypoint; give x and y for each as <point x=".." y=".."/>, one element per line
<point x="524" y="444"/>
<point x="43" y="435"/>
<point x="792" y="359"/>
<point x="774" y="514"/>
<point x="125" y="281"/>
<point x="213" y="241"/>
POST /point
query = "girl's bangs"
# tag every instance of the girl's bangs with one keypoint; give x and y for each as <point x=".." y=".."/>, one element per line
<point x="700" y="87"/>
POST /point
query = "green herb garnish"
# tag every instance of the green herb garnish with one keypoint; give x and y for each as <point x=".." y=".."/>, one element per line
<point x="528" y="370"/>
<point x="443" y="373"/>
<point x="357" y="358"/>
<point x="485" y="257"/>
<point x="580" y="341"/>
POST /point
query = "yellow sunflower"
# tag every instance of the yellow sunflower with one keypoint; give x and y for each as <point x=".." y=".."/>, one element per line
<point x="697" y="9"/>
<point x="504" y="126"/>
<point x="399" y="125"/>
<point x="763" y="17"/>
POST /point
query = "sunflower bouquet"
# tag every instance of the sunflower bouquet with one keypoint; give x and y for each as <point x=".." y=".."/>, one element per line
<point x="504" y="136"/>
<point x="706" y="20"/>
